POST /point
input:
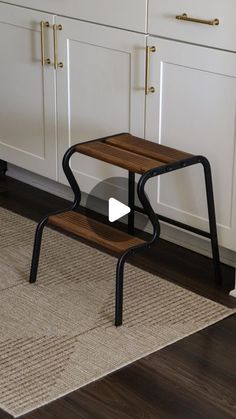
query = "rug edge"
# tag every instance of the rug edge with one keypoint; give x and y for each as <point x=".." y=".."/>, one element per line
<point x="24" y="412"/>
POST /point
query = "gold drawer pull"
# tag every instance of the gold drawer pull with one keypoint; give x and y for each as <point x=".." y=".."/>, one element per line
<point x="148" y="89"/>
<point x="43" y="59"/>
<point x="55" y="39"/>
<point x="184" y="16"/>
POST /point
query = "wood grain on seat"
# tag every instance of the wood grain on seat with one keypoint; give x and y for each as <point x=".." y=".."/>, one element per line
<point x="117" y="156"/>
<point x="106" y="236"/>
<point x="147" y="148"/>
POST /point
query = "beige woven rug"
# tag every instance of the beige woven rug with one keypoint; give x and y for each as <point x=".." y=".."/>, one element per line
<point x="58" y="335"/>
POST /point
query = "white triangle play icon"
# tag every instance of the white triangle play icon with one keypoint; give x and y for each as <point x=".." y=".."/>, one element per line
<point x="116" y="210"/>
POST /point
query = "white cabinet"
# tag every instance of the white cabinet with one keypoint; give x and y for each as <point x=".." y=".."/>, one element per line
<point x="194" y="109"/>
<point x="27" y="93"/>
<point x="126" y="14"/>
<point x="100" y="91"/>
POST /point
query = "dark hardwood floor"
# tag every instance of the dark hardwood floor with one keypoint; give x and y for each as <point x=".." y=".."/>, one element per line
<point x="194" y="378"/>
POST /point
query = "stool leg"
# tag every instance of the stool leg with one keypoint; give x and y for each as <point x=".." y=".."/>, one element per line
<point x="119" y="290"/>
<point x="36" y="250"/>
<point x="131" y="202"/>
<point x="212" y="220"/>
<point x="3" y="167"/>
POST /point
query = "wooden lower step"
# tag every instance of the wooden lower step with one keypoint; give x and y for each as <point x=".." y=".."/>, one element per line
<point x="94" y="231"/>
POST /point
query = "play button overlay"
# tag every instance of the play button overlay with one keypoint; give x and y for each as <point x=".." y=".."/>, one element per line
<point x="117" y="210"/>
<point x="109" y="200"/>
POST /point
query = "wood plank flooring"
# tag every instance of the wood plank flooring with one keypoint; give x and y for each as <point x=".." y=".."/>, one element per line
<point x="193" y="379"/>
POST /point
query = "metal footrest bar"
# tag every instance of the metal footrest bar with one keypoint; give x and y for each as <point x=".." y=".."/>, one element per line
<point x="177" y="224"/>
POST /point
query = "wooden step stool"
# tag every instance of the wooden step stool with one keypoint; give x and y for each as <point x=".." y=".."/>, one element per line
<point x="137" y="156"/>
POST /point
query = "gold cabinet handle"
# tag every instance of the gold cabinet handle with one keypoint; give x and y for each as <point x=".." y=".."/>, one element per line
<point x="43" y="59"/>
<point x="148" y="89"/>
<point x="55" y="39"/>
<point x="184" y="16"/>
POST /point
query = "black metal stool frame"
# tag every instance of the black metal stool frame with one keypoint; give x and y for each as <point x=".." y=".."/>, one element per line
<point x="147" y="210"/>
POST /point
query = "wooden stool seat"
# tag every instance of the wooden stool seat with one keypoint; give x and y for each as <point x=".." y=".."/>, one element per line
<point x="131" y="153"/>
<point x="108" y="237"/>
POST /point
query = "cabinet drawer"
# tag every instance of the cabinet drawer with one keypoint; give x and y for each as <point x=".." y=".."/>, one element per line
<point x="126" y="14"/>
<point x="163" y="22"/>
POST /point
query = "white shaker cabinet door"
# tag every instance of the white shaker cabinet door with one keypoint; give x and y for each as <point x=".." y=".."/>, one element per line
<point x="194" y="109"/>
<point x="27" y="92"/>
<point x="100" y="92"/>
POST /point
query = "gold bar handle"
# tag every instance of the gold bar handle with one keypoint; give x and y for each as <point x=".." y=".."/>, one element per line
<point x="55" y="39"/>
<point x="184" y="16"/>
<point x="43" y="59"/>
<point x="148" y="89"/>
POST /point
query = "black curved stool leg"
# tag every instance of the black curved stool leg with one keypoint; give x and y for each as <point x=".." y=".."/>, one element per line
<point x="212" y="220"/>
<point x="36" y="250"/>
<point x="131" y="202"/>
<point x="132" y="251"/>
<point x="39" y="230"/>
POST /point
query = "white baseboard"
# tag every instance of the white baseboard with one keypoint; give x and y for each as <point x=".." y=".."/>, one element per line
<point x="173" y="234"/>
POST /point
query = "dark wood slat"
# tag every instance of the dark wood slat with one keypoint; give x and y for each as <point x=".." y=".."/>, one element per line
<point x="147" y="148"/>
<point x="118" y="157"/>
<point x="94" y="231"/>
